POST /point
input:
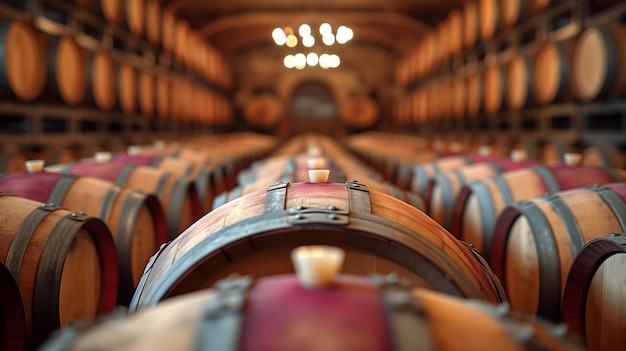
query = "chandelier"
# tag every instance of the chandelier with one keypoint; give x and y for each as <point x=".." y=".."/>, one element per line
<point x="287" y="37"/>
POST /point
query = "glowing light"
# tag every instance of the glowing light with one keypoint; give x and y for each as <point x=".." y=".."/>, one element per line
<point x="312" y="59"/>
<point x="279" y="36"/>
<point x="299" y="60"/>
<point x="334" y="61"/>
<point x="308" y="41"/>
<point x="328" y="39"/>
<point x="325" y="28"/>
<point x="324" y="61"/>
<point x="344" y="34"/>
<point x="292" y="41"/>
<point x="304" y="30"/>
<point x="288" y="61"/>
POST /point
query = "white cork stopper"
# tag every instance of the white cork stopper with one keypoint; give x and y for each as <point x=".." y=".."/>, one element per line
<point x="318" y="175"/>
<point x="34" y="166"/>
<point x="519" y="155"/>
<point x="314" y="151"/>
<point x="572" y="159"/>
<point x="103" y="157"/>
<point x="134" y="150"/>
<point x="317" y="265"/>
<point x="484" y="150"/>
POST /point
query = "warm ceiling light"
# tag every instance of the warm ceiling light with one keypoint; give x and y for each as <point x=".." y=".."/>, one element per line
<point x="299" y="60"/>
<point x="334" y="61"/>
<point x="325" y="28"/>
<point x="308" y="41"/>
<point x="292" y="41"/>
<point x="328" y="39"/>
<point x="344" y="34"/>
<point x="279" y="36"/>
<point x="324" y="61"/>
<point x="289" y="61"/>
<point x="304" y="30"/>
<point x="312" y="59"/>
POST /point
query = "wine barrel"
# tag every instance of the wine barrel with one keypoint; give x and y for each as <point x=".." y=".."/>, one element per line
<point x="494" y="88"/>
<point x="539" y="5"/>
<point x="262" y="111"/>
<point x="127" y="87"/>
<point x="181" y="40"/>
<point x="67" y="68"/>
<point x="135" y="15"/>
<point x="12" y="161"/>
<point x="551" y="71"/>
<point x="604" y="154"/>
<point x="111" y="10"/>
<point x="470" y="24"/>
<point x="594" y="297"/>
<point x="153" y="21"/>
<point x="424" y="172"/>
<point x="481" y="202"/>
<point x="474" y="92"/>
<point x="489" y="19"/>
<point x="354" y="313"/>
<point x="519" y="82"/>
<point x="253" y="235"/>
<point x="513" y="12"/>
<point x="12" y="319"/>
<point x="178" y="196"/>
<point x="443" y="188"/>
<point x="22" y="61"/>
<point x="360" y="112"/>
<point x="169" y="30"/>
<point x="535" y="242"/>
<point x="147" y="92"/>
<point x="181" y="168"/>
<point x="459" y="96"/>
<point x="455" y="23"/>
<point x="63" y="262"/>
<point x="101" y="84"/>
<point x="135" y="219"/>
<point x="598" y="63"/>
<point x="163" y="95"/>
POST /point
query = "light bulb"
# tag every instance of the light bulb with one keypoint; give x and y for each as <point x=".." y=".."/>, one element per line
<point x="289" y="61"/>
<point x="279" y="36"/>
<point x="312" y="59"/>
<point x="299" y="60"/>
<point x="325" y="28"/>
<point x="292" y="41"/>
<point x="304" y="30"/>
<point x="328" y="39"/>
<point x="308" y="41"/>
<point x="334" y="61"/>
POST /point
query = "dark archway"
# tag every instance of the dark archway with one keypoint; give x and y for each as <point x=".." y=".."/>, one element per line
<point x="313" y="110"/>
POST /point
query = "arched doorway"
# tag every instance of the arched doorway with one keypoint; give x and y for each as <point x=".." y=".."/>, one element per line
<point x="313" y="110"/>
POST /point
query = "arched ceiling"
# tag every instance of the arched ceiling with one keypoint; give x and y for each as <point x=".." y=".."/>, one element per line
<point x="236" y="25"/>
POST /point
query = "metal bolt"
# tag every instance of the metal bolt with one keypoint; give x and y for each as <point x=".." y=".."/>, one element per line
<point x="332" y="217"/>
<point x="74" y="214"/>
<point x="300" y="207"/>
<point x="82" y="213"/>
<point x="615" y="234"/>
<point x="299" y="216"/>
<point x="332" y="208"/>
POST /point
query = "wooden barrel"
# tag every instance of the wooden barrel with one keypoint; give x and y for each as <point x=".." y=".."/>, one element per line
<point x="153" y="21"/>
<point x="163" y="95"/>
<point x="22" y="61"/>
<point x="355" y="313"/>
<point x="135" y="219"/>
<point x="481" y="202"/>
<point x="539" y="5"/>
<point x="443" y="188"/>
<point x="127" y="87"/>
<point x="147" y="92"/>
<point x="135" y="14"/>
<point x="598" y="63"/>
<point x="181" y="40"/>
<point x="535" y="242"/>
<point x="494" y="88"/>
<point x="102" y="82"/>
<point x="111" y="10"/>
<point x="551" y="71"/>
<point x="455" y="24"/>
<point x="489" y="19"/>
<point x="604" y="154"/>
<point x="67" y="70"/>
<point x="197" y="173"/>
<point x="474" y="92"/>
<point x="470" y="24"/>
<point x="178" y="196"/>
<point x="360" y="112"/>
<point x="12" y="161"/>
<point x="63" y="262"/>
<point x="519" y="79"/>
<point x="12" y="319"/>
<point x="169" y="30"/>
<point x="423" y="172"/>
<point x="594" y="296"/>
<point x="262" y="111"/>
<point x="513" y="12"/>
<point x="255" y="233"/>
<point x="459" y="96"/>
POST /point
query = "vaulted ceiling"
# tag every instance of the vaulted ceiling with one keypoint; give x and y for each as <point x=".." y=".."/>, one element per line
<point x="237" y="25"/>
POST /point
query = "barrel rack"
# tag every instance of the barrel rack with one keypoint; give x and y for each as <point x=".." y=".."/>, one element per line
<point x="567" y="121"/>
<point x="52" y="123"/>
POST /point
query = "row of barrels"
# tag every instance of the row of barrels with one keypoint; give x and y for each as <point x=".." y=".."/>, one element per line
<point x="462" y="30"/>
<point x="545" y="230"/>
<point x="588" y="68"/>
<point x="76" y="237"/>
<point x="256" y="234"/>
<point x="163" y="28"/>
<point x="36" y="66"/>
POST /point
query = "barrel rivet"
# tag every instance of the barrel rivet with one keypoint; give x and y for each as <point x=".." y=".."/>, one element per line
<point x="82" y="213"/>
<point x="615" y="234"/>
<point x="299" y="216"/>
<point x="300" y="207"/>
<point x="332" y="208"/>
<point x="332" y="217"/>
<point x="74" y="214"/>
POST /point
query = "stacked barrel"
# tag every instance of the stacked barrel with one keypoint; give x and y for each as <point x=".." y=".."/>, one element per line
<point x="551" y="231"/>
<point x="77" y="236"/>
<point x="144" y="63"/>
<point x="467" y="67"/>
